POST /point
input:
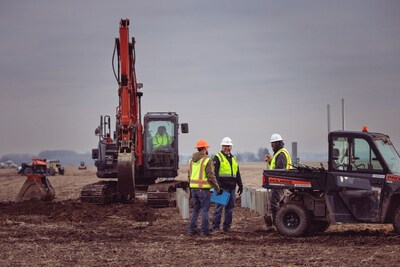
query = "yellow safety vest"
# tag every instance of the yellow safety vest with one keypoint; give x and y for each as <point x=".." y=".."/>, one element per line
<point x="225" y="168"/>
<point x="288" y="160"/>
<point x="161" y="140"/>
<point x="198" y="177"/>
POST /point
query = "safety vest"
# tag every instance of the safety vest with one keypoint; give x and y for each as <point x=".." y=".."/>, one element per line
<point x="198" y="177"/>
<point x="161" y="140"/>
<point x="225" y="168"/>
<point x="288" y="160"/>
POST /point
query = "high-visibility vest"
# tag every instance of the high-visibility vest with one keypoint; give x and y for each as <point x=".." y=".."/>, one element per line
<point x="225" y="168"/>
<point x="198" y="177"/>
<point x="161" y="140"/>
<point x="286" y="153"/>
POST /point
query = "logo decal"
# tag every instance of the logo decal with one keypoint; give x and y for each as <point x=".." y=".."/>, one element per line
<point x="288" y="182"/>
<point x="390" y="178"/>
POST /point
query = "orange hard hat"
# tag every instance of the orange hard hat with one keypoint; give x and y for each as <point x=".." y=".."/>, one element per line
<point x="201" y="143"/>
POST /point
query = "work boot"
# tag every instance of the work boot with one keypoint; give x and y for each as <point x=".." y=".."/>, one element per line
<point x="215" y="230"/>
<point x="206" y="234"/>
<point x="268" y="220"/>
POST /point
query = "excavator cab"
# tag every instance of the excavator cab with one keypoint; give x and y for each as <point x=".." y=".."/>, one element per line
<point x="160" y="157"/>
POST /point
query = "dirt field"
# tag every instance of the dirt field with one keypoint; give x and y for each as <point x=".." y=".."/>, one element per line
<point x="66" y="232"/>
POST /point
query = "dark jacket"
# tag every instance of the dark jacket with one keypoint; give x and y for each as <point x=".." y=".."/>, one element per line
<point x="280" y="161"/>
<point x="227" y="182"/>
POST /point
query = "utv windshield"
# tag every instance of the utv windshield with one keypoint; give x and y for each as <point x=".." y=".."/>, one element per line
<point x="389" y="154"/>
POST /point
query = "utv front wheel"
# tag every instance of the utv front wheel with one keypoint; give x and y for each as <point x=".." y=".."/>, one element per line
<point x="292" y="220"/>
<point x="396" y="220"/>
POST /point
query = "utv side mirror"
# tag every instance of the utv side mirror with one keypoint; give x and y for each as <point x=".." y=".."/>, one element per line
<point x="184" y="127"/>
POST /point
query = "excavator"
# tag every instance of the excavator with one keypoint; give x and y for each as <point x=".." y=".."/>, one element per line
<point x="137" y="154"/>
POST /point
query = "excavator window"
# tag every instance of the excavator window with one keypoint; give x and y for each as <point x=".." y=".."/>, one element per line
<point x="160" y="143"/>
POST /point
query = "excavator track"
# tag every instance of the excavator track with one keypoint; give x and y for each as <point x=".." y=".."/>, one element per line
<point x="163" y="194"/>
<point x="103" y="192"/>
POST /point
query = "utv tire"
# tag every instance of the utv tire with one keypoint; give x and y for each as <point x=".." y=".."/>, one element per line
<point x="292" y="220"/>
<point x="396" y="220"/>
<point x="50" y="171"/>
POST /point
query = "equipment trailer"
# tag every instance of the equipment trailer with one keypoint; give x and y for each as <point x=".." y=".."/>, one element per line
<point x="361" y="185"/>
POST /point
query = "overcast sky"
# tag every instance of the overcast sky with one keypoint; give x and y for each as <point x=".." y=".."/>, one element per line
<point x="243" y="69"/>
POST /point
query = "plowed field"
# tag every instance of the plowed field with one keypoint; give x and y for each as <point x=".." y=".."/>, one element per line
<point x="66" y="232"/>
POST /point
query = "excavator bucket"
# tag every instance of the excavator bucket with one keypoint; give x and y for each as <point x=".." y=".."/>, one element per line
<point x="36" y="188"/>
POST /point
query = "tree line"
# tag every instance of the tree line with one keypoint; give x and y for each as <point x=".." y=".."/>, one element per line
<point x="68" y="157"/>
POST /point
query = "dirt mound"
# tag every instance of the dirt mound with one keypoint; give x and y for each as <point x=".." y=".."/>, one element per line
<point x="75" y="211"/>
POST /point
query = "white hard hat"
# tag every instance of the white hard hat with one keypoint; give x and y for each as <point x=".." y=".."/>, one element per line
<point x="276" y="138"/>
<point x="226" y="141"/>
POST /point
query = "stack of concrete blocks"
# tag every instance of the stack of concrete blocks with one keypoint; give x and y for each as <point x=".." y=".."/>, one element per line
<point x="182" y="203"/>
<point x="255" y="200"/>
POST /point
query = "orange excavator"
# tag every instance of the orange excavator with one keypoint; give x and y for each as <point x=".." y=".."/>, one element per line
<point x="36" y="186"/>
<point x="136" y="154"/>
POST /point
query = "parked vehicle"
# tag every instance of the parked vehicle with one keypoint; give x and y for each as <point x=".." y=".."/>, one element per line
<point x="361" y="185"/>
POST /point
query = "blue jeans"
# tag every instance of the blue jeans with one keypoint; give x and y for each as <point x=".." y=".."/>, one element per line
<point x="228" y="212"/>
<point x="201" y="201"/>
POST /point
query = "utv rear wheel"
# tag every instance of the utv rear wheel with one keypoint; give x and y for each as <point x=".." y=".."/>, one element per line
<point x="292" y="220"/>
<point x="396" y="220"/>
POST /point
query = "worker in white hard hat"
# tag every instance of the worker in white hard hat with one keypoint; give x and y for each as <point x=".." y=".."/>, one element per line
<point x="228" y="176"/>
<point x="280" y="160"/>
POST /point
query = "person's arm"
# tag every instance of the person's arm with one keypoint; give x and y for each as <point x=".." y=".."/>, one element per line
<point x="190" y="170"/>
<point x="211" y="175"/>
<point x="239" y="182"/>
<point x="217" y="165"/>
<point x="155" y="142"/>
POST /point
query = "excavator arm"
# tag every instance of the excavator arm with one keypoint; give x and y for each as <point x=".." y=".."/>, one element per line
<point x="129" y="141"/>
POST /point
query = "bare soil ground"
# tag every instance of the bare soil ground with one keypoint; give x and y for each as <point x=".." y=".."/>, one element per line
<point x="66" y="232"/>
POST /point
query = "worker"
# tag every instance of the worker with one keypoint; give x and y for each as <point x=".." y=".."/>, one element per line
<point x="201" y="180"/>
<point x="228" y="176"/>
<point x="108" y="139"/>
<point x="161" y="142"/>
<point x="161" y="139"/>
<point x="280" y="160"/>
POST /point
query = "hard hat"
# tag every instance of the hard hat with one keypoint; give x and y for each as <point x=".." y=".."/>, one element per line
<point x="226" y="141"/>
<point x="276" y="138"/>
<point x="201" y="143"/>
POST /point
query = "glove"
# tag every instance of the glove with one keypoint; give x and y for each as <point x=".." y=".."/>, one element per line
<point x="220" y="192"/>
<point x="240" y="191"/>
<point x="268" y="158"/>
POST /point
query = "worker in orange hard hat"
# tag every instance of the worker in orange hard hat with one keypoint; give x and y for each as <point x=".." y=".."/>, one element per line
<point x="201" y="179"/>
